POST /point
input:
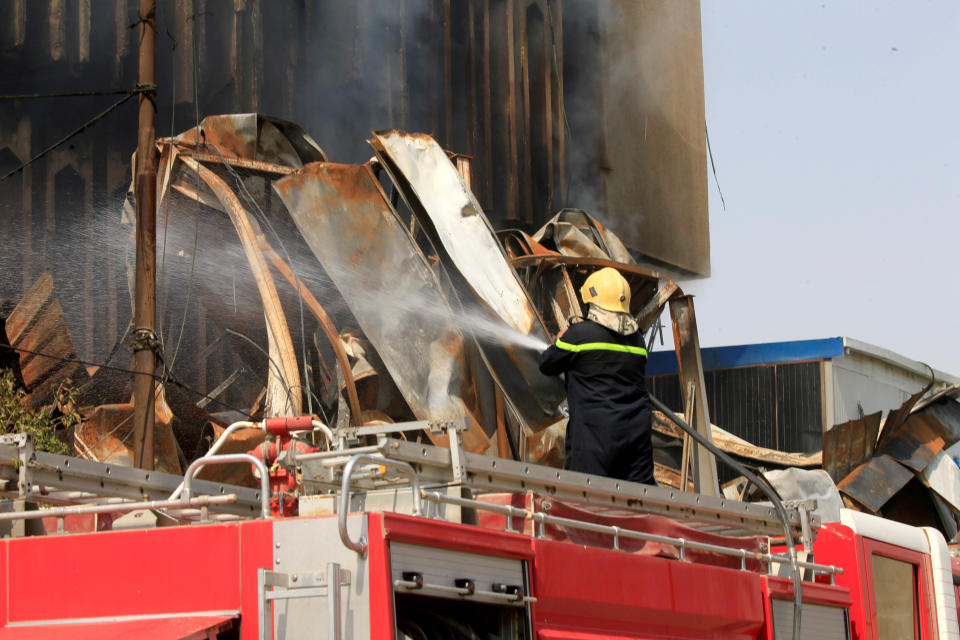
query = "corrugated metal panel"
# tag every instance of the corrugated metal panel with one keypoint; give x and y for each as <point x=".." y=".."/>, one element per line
<point x="743" y="398"/>
<point x="816" y="621"/>
<point x="777" y="406"/>
<point x="799" y="407"/>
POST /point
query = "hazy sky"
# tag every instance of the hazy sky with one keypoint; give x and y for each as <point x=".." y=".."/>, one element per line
<point x="834" y="128"/>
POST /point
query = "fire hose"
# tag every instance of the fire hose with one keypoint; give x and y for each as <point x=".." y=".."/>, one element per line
<point x="767" y="491"/>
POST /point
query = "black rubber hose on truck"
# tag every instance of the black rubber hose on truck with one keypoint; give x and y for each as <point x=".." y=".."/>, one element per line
<point x="767" y="491"/>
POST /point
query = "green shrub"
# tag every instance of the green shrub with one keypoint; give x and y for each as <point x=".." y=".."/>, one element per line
<point x="49" y="425"/>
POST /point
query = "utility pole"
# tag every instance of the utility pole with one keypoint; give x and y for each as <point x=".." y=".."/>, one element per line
<point x="145" y="304"/>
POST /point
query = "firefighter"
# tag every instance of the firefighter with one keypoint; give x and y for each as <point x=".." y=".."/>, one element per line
<point x="604" y="359"/>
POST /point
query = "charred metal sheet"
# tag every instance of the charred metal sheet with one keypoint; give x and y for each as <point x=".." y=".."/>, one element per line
<point x="897" y="417"/>
<point x="945" y="409"/>
<point x="475" y="261"/>
<point x="847" y="445"/>
<point x="916" y="442"/>
<point x="448" y="211"/>
<point x="948" y="516"/>
<point x="252" y="136"/>
<point x="519" y="243"/>
<point x="574" y="232"/>
<point x="875" y="481"/>
<point x="106" y="435"/>
<point x="326" y="325"/>
<point x="554" y="290"/>
<point x="359" y="240"/>
<point x="915" y="504"/>
<point x="38" y="326"/>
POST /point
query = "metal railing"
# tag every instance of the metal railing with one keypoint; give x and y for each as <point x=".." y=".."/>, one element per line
<point x="360" y="546"/>
<point x="541" y="519"/>
<point x="118" y="507"/>
<point x="199" y="463"/>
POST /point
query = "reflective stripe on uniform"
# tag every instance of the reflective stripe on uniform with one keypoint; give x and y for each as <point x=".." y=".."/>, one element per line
<point x="601" y="346"/>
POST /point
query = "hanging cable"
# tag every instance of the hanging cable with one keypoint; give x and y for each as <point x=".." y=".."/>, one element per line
<point x="89" y="363"/>
<point x="270" y="360"/>
<point x="262" y="217"/>
<point x="68" y="94"/>
<point x="196" y="230"/>
<point x="79" y="130"/>
<point x="713" y="167"/>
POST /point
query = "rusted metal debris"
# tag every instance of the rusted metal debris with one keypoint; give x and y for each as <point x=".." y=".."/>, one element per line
<point x="106" y="435"/>
<point x="250" y="140"/>
<point x="38" y="326"/>
<point x="905" y="464"/>
<point x="874" y="482"/>
<point x="476" y="264"/>
<point x="573" y="232"/>
<point x="847" y="445"/>
<point x="348" y="222"/>
<point x="363" y="294"/>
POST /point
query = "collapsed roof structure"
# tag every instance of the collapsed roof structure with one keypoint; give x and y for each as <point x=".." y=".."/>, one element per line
<point x="379" y="293"/>
<point x="361" y="294"/>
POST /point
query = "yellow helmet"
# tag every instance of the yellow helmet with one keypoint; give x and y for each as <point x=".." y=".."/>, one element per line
<point x="607" y="289"/>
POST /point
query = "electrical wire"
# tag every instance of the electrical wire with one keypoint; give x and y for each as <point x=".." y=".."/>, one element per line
<point x="68" y="94"/>
<point x="713" y="166"/>
<point x="269" y="359"/>
<point x="262" y="217"/>
<point x="196" y="230"/>
<point x="75" y="132"/>
<point x="103" y="365"/>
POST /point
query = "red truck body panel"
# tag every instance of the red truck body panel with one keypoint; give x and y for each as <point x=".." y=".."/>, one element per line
<point x="179" y="579"/>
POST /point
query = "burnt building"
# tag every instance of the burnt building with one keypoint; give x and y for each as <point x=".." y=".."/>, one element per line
<point x="559" y="103"/>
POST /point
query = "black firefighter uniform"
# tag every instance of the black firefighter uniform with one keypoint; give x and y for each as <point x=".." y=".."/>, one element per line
<point x="608" y="432"/>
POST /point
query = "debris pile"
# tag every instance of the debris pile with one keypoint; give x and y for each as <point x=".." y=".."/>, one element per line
<point x="379" y="293"/>
<point x="361" y="294"/>
<point x="905" y="466"/>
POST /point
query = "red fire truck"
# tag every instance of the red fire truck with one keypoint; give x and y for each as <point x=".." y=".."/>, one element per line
<point x="402" y="540"/>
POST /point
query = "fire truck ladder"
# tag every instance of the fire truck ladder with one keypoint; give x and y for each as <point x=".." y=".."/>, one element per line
<point x="408" y="474"/>
<point x="79" y="486"/>
<point x="394" y="474"/>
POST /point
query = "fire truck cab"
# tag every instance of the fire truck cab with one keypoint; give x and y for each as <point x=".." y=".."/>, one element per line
<point x="900" y="578"/>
